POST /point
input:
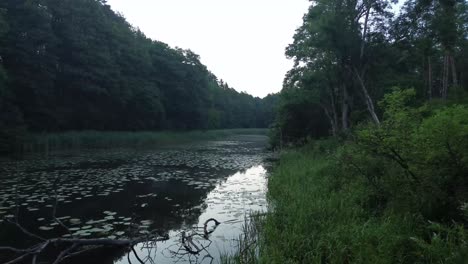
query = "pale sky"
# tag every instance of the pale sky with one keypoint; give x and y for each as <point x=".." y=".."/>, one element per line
<point x="240" y="41"/>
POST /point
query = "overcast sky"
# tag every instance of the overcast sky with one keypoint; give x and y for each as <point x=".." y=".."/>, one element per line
<point x="241" y="41"/>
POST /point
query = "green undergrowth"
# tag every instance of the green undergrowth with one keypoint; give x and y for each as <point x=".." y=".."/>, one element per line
<point x="100" y="139"/>
<point x="318" y="218"/>
<point x="323" y="213"/>
<point x="390" y="193"/>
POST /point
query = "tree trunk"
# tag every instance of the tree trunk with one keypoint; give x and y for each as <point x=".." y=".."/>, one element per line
<point x="281" y="138"/>
<point x="334" y="113"/>
<point x="364" y="33"/>
<point x="330" y="118"/>
<point x="345" y="109"/>
<point x="445" y="74"/>
<point x="454" y="71"/>
<point x="429" y="77"/>
<point x="368" y="99"/>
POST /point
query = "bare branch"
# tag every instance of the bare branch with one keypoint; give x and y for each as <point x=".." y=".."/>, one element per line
<point x="34" y="251"/>
<point x="64" y="253"/>
<point x="54" y="210"/>
<point x="16" y="250"/>
<point x="25" y="231"/>
<point x="136" y="255"/>
<point x="83" y="245"/>
<point x="205" y="227"/>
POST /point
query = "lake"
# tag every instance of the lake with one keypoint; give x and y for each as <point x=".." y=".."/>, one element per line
<point x="128" y="193"/>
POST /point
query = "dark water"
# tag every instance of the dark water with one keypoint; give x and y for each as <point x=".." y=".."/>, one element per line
<point x="124" y="193"/>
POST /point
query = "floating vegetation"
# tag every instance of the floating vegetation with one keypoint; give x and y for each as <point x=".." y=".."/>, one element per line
<point x="75" y="221"/>
<point x="123" y="193"/>
<point x="145" y="223"/>
<point x="46" y="228"/>
<point x="109" y="213"/>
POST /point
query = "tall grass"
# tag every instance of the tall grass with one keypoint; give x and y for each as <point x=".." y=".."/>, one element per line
<point x="98" y="139"/>
<point x="248" y="242"/>
<point x="319" y="213"/>
<point x="317" y="219"/>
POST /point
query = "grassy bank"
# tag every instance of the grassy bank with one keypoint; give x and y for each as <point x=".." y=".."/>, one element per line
<point x="321" y="212"/>
<point x="98" y="139"/>
<point x="396" y="192"/>
<point x="320" y="218"/>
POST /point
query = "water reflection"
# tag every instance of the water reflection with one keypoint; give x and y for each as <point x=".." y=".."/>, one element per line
<point x="127" y="193"/>
<point x="229" y="203"/>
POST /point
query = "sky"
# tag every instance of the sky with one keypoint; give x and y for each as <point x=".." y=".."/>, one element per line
<point x="240" y="41"/>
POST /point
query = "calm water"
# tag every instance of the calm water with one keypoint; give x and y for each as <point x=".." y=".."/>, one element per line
<point x="128" y="193"/>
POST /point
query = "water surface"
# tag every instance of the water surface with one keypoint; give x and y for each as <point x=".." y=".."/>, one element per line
<point x="124" y="193"/>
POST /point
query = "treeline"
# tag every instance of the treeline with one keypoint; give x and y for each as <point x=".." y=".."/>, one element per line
<point x="388" y="91"/>
<point x="77" y="65"/>
<point x="349" y="54"/>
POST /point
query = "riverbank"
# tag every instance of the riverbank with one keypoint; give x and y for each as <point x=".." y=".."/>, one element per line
<point x="321" y="211"/>
<point x="106" y="139"/>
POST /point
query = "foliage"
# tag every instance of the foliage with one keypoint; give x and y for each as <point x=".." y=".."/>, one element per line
<point x="395" y="191"/>
<point x="77" y="65"/>
<point x="349" y="54"/>
<point x="422" y="155"/>
<point x="317" y="218"/>
<point x="347" y="204"/>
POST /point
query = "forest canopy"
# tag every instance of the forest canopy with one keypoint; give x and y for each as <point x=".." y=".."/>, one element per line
<point x="377" y="100"/>
<point x="349" y="54"/>
<point x="77" y="65"/>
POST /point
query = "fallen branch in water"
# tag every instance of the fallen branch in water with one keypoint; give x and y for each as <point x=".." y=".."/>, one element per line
<point x="76" y="245"/>
<point x="194" y="242"/>
<point x="72" y="247"/>
<point x="205" y="227"/>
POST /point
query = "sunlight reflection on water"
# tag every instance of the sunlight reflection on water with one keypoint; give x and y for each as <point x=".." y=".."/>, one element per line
<point x="229" y="203"/>
<point x="127" y="193"/>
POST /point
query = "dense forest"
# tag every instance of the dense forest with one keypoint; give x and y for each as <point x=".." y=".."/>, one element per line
<point x="372" y="120"/>
<point x="349" y="54"/>
<point x="77" y="65"/>
<point x="378" y="103"/>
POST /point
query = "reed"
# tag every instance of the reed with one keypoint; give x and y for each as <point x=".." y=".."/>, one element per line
<point x="48" y="142"/>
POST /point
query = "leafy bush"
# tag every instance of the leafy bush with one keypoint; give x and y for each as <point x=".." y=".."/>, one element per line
<point x="396" y="193"/>
<point x="422" y="155"/>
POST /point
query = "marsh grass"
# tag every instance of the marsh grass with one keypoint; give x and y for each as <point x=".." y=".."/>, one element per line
<point x="320" y="215"/>
<point x="248" y="241"/>
<point x="98" y="139"/>
<point x="317" y="219"/>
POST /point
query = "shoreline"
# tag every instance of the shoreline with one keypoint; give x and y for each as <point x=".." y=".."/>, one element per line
<point x="76" y="140"/>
